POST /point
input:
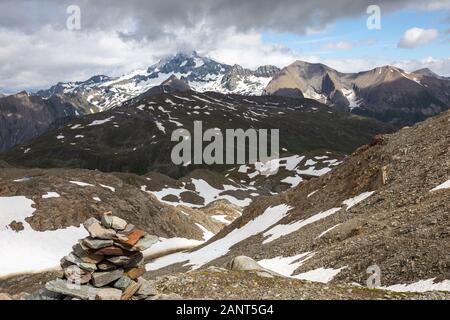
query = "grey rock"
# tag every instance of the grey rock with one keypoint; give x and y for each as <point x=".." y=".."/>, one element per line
<point x="100" y="279"/>
<point x="128" y="261"/>
<point x="84" y="292"/>
<point x="147" y="288"/>
<point x="244" y="263"/>
<point x="109" y="294"/>
<point x="162" y="296"/>
<point x="107" y="220"/>
<point x="123" y="283"/>
<point x="128" y="229"/>
<point x="96" y="243"/>
<point x="85" y="255"/>
<point x="71" y="258"/>
<point x="118" y="223"/>
<point x="106" y="266"/>
<point x="75" y="274"/>
<point x="97" y="231"/>
<point x="44" y="294"/>
<point x="146" y="242"/>
<point x="120" y="260"/>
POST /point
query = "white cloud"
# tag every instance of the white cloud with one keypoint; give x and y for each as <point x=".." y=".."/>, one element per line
<point x="415" y="37"/>
<point x="41" y="59"/>
<point x="338" y="45"/>
<point x="439" y="66"/>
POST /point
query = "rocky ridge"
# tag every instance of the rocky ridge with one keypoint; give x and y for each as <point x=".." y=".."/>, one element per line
<point x="386" y="93"/>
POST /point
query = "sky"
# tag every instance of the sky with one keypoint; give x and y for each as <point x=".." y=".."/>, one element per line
<point x="43" y="42"/>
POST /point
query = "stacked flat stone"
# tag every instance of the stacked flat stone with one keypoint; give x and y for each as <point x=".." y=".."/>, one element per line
<point x="108" y="264"/>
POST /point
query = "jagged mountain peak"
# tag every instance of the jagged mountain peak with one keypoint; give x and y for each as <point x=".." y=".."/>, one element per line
<point x="199" y="72"/>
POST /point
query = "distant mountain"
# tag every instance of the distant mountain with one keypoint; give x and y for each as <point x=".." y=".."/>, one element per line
<point x="24" y="117"/>
<point x="201" y="73"/>
<point x="171" y="85"/>
<point x="386" y="93"/>
<point x="136" y="137"/>
<point x="427" y="72"/>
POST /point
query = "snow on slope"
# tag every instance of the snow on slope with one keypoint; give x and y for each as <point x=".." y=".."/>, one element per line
<point x="220" y="247"/>
<point x="201" y="73"/>
<point x="445" y="185"/>
<point x="29" y="250"/>
<point x="204" y="190"/>
<point x="284" y="229"/>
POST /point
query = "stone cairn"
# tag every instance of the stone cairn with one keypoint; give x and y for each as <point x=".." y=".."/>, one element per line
<point x="108" y="264"/>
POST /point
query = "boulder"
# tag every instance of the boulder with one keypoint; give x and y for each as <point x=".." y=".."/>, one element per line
<point x="244" y="263"/>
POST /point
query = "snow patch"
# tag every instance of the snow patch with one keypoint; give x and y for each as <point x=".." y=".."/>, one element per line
<point x="445" y="185"/>
<point x="284" y="229"/>
<point x="354" y="201"/>
<point x="49" y="195"/>
<point x="221" y="246"/>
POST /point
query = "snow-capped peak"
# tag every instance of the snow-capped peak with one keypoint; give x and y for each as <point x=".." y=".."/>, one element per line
<point x="201" y="73"/>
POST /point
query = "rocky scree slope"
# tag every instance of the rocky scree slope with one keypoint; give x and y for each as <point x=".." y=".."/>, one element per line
<point x="386" y="205"/>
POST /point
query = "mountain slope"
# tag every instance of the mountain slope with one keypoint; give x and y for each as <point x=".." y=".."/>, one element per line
<point x="386" y="205"/>
<point x="42" y="211"/>
<point x="24" y="117"/>
<point x="136" y="137"/>
<point x="385" y="93"/>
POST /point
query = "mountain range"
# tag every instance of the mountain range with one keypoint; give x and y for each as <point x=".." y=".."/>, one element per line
<point x="352" y="193"/>
<point x="387" y="93"/>
<point x="136" y="137"/>
<point x="202" y="74"/>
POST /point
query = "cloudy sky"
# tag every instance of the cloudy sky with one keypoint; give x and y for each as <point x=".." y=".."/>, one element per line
<point x="39" y="45"/>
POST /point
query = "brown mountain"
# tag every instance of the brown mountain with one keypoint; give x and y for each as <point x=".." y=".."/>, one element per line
<point x="24" y="117"/>
<point x="386" y="93"/>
